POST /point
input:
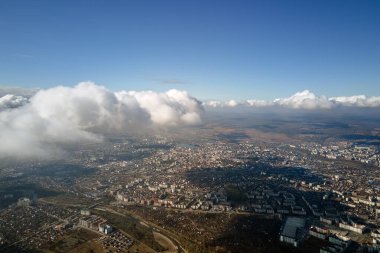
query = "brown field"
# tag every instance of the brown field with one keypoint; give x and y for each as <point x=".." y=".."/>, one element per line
<point x="71" y="242"/>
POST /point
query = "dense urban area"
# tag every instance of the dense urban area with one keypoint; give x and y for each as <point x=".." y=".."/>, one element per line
<point x="158" y="194"/>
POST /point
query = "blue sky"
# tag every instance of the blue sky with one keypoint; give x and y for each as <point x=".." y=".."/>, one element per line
<point x="213" y="49"/>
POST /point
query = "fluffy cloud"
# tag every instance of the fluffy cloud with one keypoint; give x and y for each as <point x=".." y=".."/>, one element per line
<point x="56" y="118"/>
<point x="10" y="101"/>
<point x="257" y="103"/>
<point x="302" y="100"/>
<point x="171" y="108"/>
<point x="234" y="103"/>
<point x="214" y="104"/>
<point x="358" y="101"/>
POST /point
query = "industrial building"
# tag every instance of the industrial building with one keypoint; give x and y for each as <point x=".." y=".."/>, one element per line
<point x="293" y="231"/>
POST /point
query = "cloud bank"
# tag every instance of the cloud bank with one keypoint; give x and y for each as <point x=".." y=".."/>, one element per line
<point x="302" y="100"/>
<point x="53" y="119"/>
<point x="48" y="122"/>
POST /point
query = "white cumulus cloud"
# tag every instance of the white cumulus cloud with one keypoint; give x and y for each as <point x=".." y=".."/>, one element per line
<point x="173" y="107"/>
<point x="55" y="118"/>
<point x="358" y="101"/>
<point x="10" y="101"/>
<point x="304" y="100"/>
<point x="301" y="100"/>
<point x="257" y="103"/>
